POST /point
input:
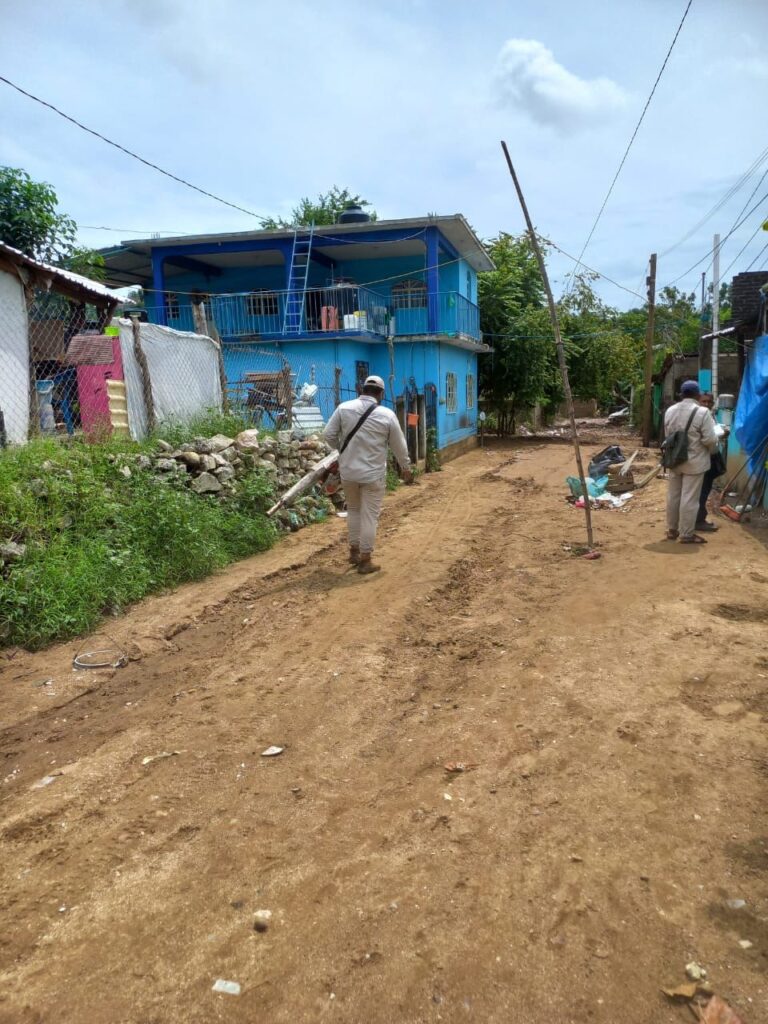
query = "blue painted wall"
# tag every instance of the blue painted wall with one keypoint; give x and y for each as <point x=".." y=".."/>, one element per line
<point x="416" y="363"/>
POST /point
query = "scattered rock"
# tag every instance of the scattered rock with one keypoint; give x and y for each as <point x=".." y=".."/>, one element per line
<point x="143" y="462"/>
<point x="190" y="459"/>
<point x="262" y="920"/>
<point x="206" y="483"/>
<point x="745" y="944"/>
<point x="38" y="488"/>
<point x="125" y="471"/>
<point x="163" y="446"/>
<point x="224" y="473"/>
<point x="165" y="465"/>
<point x="736" y="904"/>
<point x="10" y="551"/>
<point x="247" y="439"/>
<point x="219" y="442"/>
<point x="208" y="463"/>
<point x="695" y="971"/>
<point x="231" y="988"/>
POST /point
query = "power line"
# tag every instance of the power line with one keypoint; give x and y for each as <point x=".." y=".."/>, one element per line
<point x="128" y="152"/>
<point x="591" y="270"/>
<point x="731" y="192"/>
<point x="134" y="231"/>
<point x="746" y="245"/>
<point x="759" y="255"/>
<point x="634" y="133"/>
<point x="710" y="252"/>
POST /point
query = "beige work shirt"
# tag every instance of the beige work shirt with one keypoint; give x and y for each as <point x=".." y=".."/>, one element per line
<point x="365" y="460"/>
<point x="702" y="439"/>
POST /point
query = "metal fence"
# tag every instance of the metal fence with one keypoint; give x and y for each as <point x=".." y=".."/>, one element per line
<point x="66" y="373"/>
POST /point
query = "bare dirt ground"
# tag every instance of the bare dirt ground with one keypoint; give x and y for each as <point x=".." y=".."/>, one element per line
<point x="616" y="711"/>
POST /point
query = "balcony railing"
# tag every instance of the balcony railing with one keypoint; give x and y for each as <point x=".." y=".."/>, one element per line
<point x="341" y="309"/>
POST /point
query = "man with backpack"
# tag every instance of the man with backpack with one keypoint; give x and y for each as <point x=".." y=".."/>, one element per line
<point x="690" y="440"/>
<point x="363" y="430"/>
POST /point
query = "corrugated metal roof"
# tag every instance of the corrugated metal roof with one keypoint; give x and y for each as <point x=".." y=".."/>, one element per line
<point x="84" y="284"/>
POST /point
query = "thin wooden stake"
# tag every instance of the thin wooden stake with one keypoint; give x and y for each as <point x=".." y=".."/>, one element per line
<point x="560" y="349"/>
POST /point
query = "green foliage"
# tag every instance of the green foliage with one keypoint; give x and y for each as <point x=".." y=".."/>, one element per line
<point x="30" y="222"/>
<point x="205" y="425"/>
<point x="514" y="320"/>
<point x="393" y="477"/>
<point x="326" y="209"/>
<point x="432" y="461"/>
<point x="97" y="541"/>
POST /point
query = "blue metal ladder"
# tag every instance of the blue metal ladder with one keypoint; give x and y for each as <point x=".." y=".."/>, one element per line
<point x="298" y="276"/>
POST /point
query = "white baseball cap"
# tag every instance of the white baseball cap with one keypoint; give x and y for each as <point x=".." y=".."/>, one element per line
<point x="375" y="382"/>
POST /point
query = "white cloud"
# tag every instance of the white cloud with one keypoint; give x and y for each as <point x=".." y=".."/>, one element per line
<point x="529" y="79"/>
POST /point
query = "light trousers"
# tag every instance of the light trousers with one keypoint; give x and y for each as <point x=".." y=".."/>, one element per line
<point x="363" y="510"/>
<point x="683" y="490"/>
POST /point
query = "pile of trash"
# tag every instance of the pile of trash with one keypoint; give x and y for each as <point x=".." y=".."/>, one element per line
<point x="609" y="481"/>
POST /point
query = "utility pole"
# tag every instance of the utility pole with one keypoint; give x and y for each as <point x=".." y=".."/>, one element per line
<point x="647" y="395"/>
<point x="715" y="315"/>
<point x="560" y="353"/>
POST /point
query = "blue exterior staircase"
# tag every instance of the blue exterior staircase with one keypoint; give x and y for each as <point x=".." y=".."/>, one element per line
<point x="298" y="277"/>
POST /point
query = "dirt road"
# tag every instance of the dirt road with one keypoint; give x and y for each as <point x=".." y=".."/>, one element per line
<point x="615" y="710"/>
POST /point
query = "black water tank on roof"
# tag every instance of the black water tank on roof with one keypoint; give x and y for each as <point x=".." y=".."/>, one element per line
<point x="354" y="214"/>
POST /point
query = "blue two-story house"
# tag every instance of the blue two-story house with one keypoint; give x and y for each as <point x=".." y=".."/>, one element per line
<point x="396" y="298"/>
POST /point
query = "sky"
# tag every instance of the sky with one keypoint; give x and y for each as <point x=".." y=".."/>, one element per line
<point x="405" y="102"/>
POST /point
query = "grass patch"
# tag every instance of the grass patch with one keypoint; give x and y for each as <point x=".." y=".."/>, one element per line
<point x="98" y="541"/>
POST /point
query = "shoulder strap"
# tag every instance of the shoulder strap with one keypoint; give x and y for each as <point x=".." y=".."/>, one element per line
<point x="356" y="427"/>
<point x="690" y="421"/>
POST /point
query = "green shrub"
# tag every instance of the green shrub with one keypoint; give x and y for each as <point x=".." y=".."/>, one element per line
<point x="97" y="541"/>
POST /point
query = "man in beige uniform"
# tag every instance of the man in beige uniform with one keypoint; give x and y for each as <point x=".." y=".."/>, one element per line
<point x="363" y="465"/>
<point x="685" y="480"/>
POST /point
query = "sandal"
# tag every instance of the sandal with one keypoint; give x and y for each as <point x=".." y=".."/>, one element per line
<point x="695" y="539"/>
<point x="672" y="535"/>
<point x="707" y="527"/>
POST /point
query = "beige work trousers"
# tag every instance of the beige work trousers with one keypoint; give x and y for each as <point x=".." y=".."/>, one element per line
<point x="683" y="491"/>
<point x="363" y="510"/>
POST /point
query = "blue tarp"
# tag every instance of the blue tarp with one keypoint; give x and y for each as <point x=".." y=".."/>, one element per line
<point x="750" y="423"/>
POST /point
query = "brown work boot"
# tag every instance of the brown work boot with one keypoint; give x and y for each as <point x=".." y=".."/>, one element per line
<point x="365" y="565"/>
<point x="354" y="554"/>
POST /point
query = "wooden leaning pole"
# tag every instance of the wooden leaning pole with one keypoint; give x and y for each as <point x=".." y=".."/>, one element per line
<point x="560" y="349"/>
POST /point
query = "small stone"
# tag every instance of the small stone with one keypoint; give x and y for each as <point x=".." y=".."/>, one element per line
<point x="224" y="473"/>
<point x="247" y="439"/>
<point x="165" y="465"/>
<point x="191" y="459"/>
<point x="576" y="859"/>
<point x="695" y="971"/>
<point x="163" y="446"/>
<point x="38" y="488"/>
<point x="745" y="944"/>
<point x="736" y="904"/>
<point x="208" y="463"/>
<point x="645" y="878"/>
<point x="12" y="552"/>
<point x="143" y="462"/>
<point x="219" y="442"/>
<point x="262" y="920"/>
<point x="206" y="483"/>
<point x="125" y="471"/>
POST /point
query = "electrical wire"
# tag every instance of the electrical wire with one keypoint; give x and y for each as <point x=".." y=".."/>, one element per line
<point x="632" y="139"/>
<point x="759" y="256"/>
<point x="128" y="152"/>
<point x="732" y="191"/>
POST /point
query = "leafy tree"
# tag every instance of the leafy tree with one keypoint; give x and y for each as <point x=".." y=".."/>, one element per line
<point x="523" y="368"/>
<point x="29" y="220"/>
<point x="86" y="262"/>
<point x="326" y="209"/>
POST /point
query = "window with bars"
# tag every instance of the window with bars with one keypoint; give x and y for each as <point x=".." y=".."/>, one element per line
<point x="409" y="294"/>
<point x="172" y="306"/>
<point x="470" y="391"/>
<point x="451" y="392"/>
<point x="262" y="303"/>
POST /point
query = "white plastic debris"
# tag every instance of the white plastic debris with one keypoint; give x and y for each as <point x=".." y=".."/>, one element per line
<point x="45" y="781"/>
<point x="231" y="988"/>
<point x="272" y="751"/>
<point x="745" y="944"/>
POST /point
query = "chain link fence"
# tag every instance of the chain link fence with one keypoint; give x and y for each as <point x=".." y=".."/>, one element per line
<point x="71" y="373"/>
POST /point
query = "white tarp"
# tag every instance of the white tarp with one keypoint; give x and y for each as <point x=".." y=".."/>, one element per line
<point x="183" y="370"/>
<point x="14" y="359"/>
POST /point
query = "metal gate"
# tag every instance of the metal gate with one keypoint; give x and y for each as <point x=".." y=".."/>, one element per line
<point x="430" y="401"/>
